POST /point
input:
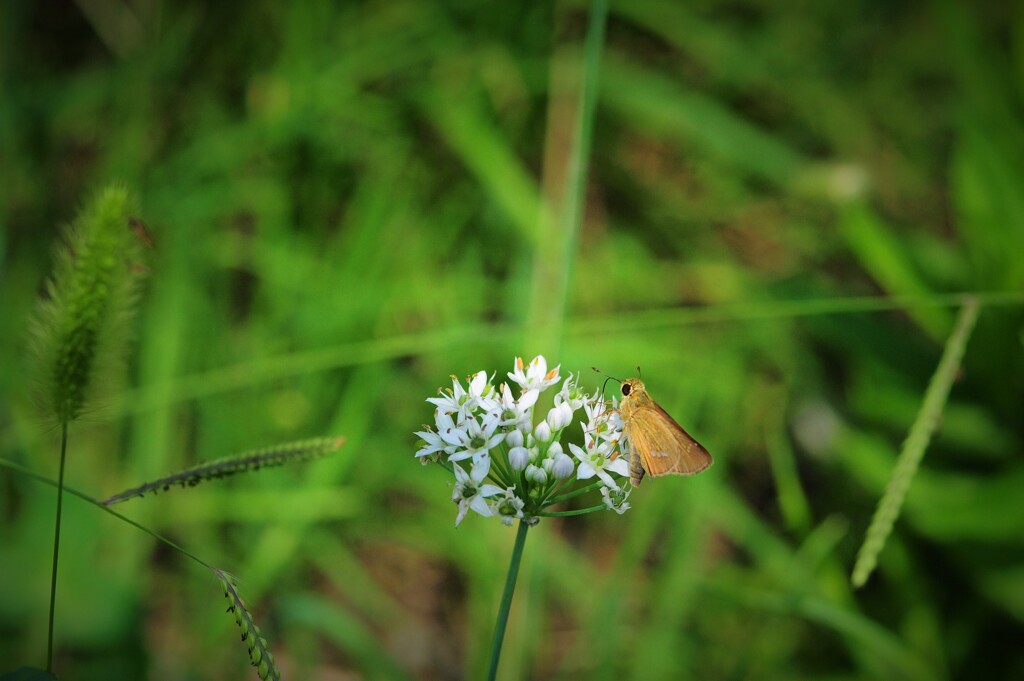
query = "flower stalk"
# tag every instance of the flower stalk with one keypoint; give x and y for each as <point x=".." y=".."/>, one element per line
<point x="506" y="600"/>
<point x="509" y="461"/>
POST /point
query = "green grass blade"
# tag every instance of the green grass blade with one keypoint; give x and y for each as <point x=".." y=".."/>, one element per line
<point x="552" y="266"/>
<point x="917" y="441"/>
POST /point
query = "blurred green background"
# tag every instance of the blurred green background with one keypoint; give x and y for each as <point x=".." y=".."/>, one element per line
<point x="347" y="200"/>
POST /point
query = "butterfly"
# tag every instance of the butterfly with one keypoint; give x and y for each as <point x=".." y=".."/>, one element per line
<point x="659" y="446"/>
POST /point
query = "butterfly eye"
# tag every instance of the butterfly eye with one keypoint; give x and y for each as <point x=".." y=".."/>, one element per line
<point x="626" y="389"/>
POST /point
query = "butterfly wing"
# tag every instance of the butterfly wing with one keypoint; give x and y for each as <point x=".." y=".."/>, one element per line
<point x="664" y="447"/>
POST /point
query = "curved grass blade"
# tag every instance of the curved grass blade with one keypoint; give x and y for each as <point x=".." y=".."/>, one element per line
<point x="267" y="457"/>
<point x="914" y="447"/>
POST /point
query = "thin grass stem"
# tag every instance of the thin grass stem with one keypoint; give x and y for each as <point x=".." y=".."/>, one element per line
<point x="98" y="504"/>
<point x="357" y="353"/>
<point x="56" y="545"/>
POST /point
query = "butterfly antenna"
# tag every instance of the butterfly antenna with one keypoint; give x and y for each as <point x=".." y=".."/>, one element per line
<point x="608" y="378"/>
<point x="638" y="372"/>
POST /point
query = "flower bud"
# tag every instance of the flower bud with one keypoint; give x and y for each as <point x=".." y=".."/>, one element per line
<point x="518" y="457"/>
<point x="555" y="449"/>
<point x="536" y="474"/>
<point x="554" y="419"/>
<point x="563" y="467"/>
<point x="514" y="439"/>
<point x="543" y="432"/>
<point x="567" y="411"/>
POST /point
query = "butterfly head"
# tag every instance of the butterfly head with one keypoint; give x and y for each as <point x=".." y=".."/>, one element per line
<point x="631" y="386"/>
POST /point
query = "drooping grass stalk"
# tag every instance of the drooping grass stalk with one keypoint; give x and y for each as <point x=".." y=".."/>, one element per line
<point x="506" y="600"/>
<point x="914" y="447"/>
<point x="266" y="457"/>
<point x="99" y="504"/>
<point x="259" y="652"/>
<point x="56" y="546"/>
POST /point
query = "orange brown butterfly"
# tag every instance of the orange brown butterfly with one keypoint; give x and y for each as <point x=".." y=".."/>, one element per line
<point x="658" y="444"/>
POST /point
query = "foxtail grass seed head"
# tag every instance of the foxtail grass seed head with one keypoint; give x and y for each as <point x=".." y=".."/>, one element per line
<point x="80" y="328"/>
<point x="510" y="462"/>
<point x="259" y="651"/>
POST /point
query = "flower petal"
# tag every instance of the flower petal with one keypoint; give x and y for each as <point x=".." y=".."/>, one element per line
<point x="585" y="471"/>
<point x="619" y="465"/>
<point x="479" y="505"/>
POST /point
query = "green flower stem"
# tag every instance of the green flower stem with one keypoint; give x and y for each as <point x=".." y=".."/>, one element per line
<point x="503" y="473"/>
<point x="580" y="511"/>
<point x="575" y="493"/>
<point x="552" y="487"/>
<point x="56" y="545"/>
<point x="506" y="600"/>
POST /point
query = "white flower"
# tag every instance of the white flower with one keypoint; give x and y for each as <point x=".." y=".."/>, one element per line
<point x="470" y="493"/>
<point x="475" y="439"/>
<point x="535" y="376"/>
<point x="511" y="412"/>
<point x="458" y="400"/>
<point x="509" y="507"/>
<point x="563" y="467"/>
<point x="480" y="391"/>
<point x="597" y="461"/>
<point x="434" y="444"/>
<point x="542" y="432"/>
<point x="454" y="435"/>
<point x="616" y="500"/>
<point x="571" y="394"/>
<point x="554" y="449"/>
<point x="602" y="423"/>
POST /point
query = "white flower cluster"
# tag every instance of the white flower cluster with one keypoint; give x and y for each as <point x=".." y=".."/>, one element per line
<point x="506" y="464"/>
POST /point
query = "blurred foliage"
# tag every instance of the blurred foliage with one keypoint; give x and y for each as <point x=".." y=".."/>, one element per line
<point x="346" y="201"/>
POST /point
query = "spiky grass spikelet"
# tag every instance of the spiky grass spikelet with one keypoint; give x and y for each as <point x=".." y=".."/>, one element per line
<point x="259" y="652"/>
<point x="254" y="460"/>
<point x="80" y="328"/>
